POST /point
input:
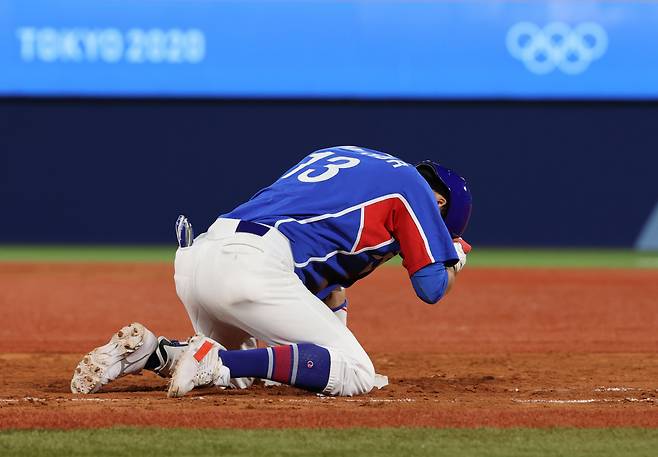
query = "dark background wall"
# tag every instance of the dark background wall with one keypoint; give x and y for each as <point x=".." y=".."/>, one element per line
<point x="110" y="171"/>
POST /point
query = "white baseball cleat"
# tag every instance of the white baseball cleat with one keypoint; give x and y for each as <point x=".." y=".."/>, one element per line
<point x="199" y="365"/>
<point x="126" y="353"/>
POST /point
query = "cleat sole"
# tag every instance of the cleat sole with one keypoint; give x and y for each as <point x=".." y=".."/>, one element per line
<point x="91" y="373"/>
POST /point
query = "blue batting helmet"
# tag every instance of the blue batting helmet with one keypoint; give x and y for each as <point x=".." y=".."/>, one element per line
<point x="460" y="202"/>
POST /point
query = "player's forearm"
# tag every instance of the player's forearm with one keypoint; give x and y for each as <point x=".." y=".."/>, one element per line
<point x="337" y="303"/>
<point x="452" y="277"/>
<point x="336" y="298"/>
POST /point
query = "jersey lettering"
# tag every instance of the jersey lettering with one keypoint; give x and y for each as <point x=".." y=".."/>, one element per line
<point x="388" y="158"/>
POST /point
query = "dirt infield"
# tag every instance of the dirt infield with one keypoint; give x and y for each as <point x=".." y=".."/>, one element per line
<point x="508" y="348"/>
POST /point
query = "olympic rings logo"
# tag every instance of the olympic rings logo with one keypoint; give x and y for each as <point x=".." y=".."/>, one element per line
<point x="557" y="46"/>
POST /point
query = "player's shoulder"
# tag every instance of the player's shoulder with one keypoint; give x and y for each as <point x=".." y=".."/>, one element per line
<point x="382" y="160"/>
<point x="366" y="153"/>
<point x="382" y="171"/>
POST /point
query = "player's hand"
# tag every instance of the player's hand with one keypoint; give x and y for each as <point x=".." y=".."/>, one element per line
<point x="465" y="246"/>
<point x="462" y="248"/>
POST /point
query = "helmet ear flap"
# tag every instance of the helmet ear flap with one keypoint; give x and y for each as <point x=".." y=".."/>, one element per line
<point x="452" y="186"/>
<point x="434" y="181"/>
<point x="436" y="184"/>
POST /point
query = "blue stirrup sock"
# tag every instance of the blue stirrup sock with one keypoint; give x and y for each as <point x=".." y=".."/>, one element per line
<point x="302" y="365"/>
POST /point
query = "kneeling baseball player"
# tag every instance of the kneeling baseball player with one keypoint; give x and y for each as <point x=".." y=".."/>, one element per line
<point x="275" y="269"/>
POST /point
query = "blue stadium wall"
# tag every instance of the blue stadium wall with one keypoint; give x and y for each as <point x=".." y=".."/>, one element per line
<point x="104" y="171"/>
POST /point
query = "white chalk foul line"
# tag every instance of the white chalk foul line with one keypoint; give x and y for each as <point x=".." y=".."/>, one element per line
<point x="377" y="400"/>
<point x="367" y="400"/>
<point x="588" y="400"/>
<point x="290" y="400"/>
<point x="26" y="399"/>
<point x="352" y="400"/>
<point x="101" y="400"/>
<point x="614" y="389"/>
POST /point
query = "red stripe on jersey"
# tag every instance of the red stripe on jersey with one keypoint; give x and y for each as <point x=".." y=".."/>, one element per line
<point x="391" y="218"/>
<point x="282" y="364"/>
<point x="377" y="224"/>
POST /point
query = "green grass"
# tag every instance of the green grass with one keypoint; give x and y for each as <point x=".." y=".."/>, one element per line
<point x="569" y="258"/>
<point x="86" y="253"/>
<point x="353" y="442"/>
<point x="480" y="257"/>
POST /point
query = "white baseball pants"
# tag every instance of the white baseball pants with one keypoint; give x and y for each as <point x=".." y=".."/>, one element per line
<point x="238" y="285"/>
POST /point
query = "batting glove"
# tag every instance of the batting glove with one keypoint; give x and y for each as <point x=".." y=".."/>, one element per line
<point x="462" y="248"/>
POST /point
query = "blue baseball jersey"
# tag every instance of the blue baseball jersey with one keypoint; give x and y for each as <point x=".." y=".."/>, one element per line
<point x="346" y="210"/>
